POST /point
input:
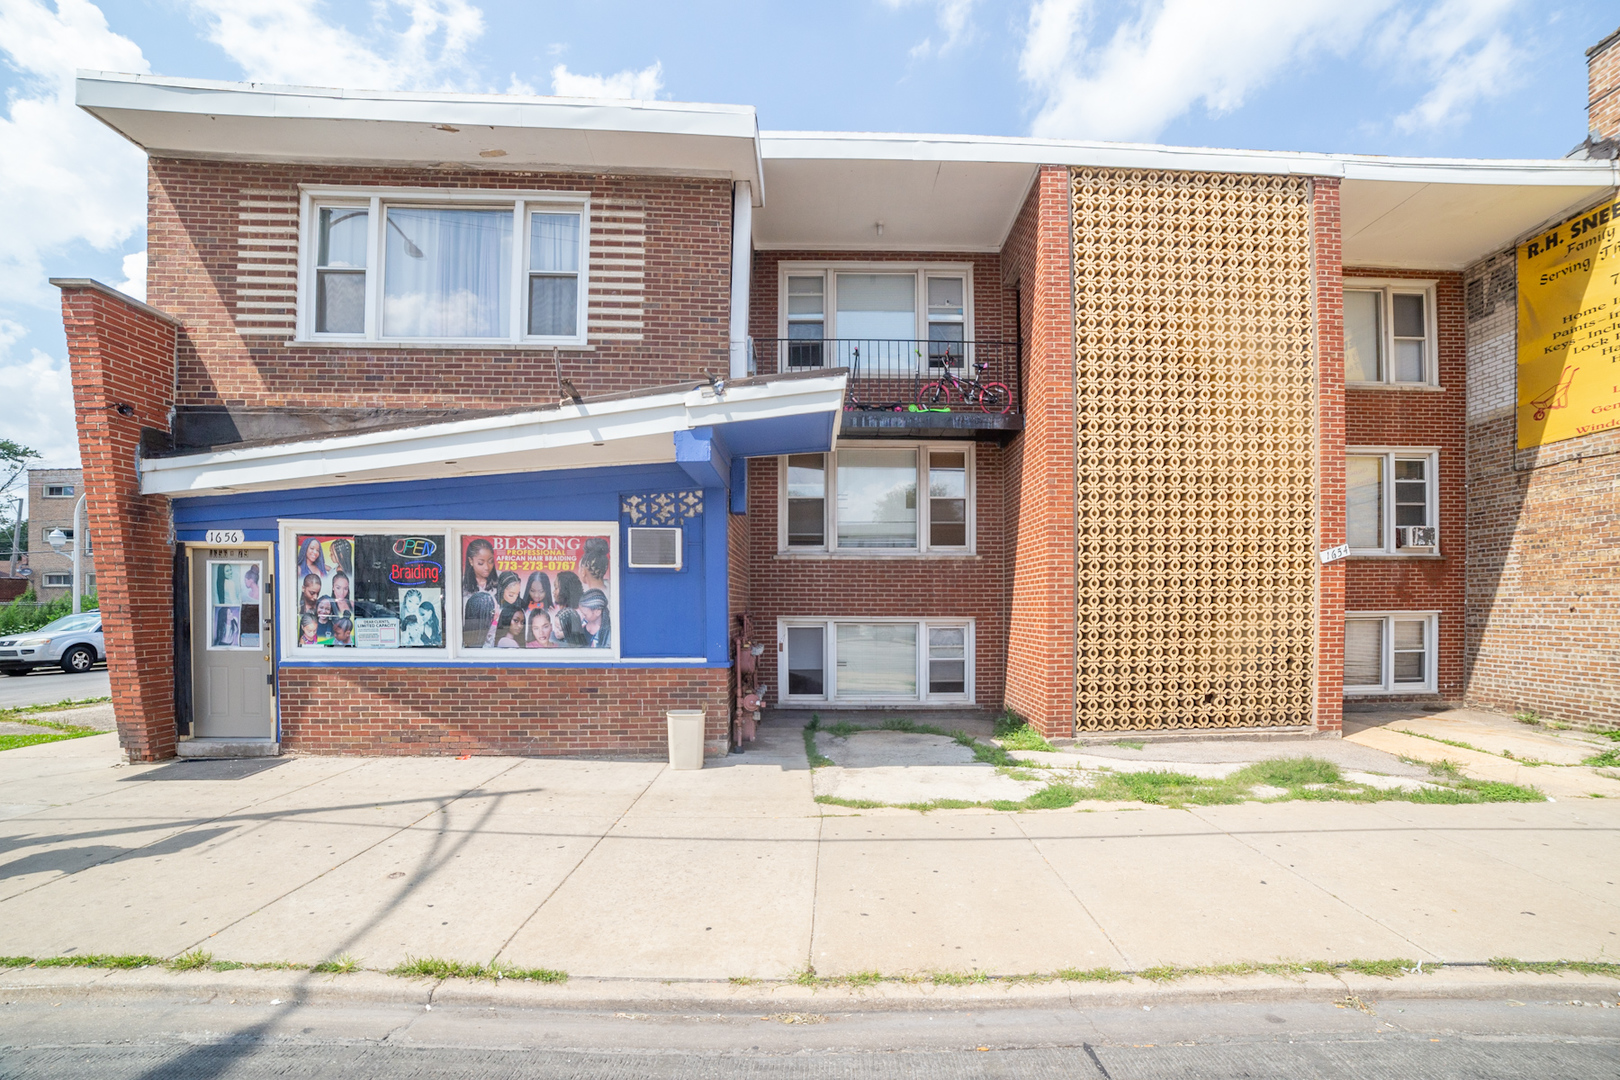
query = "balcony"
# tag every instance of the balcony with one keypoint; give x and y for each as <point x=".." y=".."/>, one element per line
<point x="912" y="388"/>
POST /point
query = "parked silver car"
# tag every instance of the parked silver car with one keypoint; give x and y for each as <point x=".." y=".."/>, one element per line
<point x="72" y="643"/>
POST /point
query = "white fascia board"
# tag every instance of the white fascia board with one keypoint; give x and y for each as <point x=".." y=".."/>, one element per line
<point x="861" y="146"/>
<point x="427" y="450"/>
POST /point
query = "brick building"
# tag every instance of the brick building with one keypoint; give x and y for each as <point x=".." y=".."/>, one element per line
<point x="52" y="496"/>
<point x="503" y="425"/>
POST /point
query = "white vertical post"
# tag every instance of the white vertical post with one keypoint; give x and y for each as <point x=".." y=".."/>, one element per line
<point x="742" y="264"/>
<point x="78" y="545"/>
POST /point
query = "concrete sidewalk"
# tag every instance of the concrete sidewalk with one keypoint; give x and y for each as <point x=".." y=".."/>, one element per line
<point x="629" y="870"/>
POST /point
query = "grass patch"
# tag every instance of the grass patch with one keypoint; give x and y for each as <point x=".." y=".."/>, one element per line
<point x="1527" y="716"/>
<point x="1448" y="742"/>
<point x="1130" y="744"/>
<point x="956" y="978"/>
<point x="814" y="755"/>
<point x="1025" y="738"/>
<point x="195" y="960"/>
<point x="10" y="712"/>
<point x="852" y="804"/>
<point x="430" y="967"/>
<point x="1007" y="723"/>
<point x="1609" y="759"/>
<point x="15" y="961"/>
<point x="1288" y="772"/>
<point x="17" y="742"/>
<point x="1101" y="974"/>
<point x="1385" y="968"/>
<point x="1553" y="967"/>
<point x="102" y="960"/>
<point x="342" y="964"/>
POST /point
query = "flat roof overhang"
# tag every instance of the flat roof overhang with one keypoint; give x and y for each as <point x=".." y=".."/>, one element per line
<point x="961" y="193"/>
<point x="689" y="425"/>
<point x="320" y="125"/>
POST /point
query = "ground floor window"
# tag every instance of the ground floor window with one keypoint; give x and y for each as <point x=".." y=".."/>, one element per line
<point x="876" y="661"/>
<point x="1389" y="653"/>
<point x="420" y="590"/>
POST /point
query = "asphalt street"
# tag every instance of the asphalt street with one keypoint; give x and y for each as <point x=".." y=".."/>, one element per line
<point x="140" y="1037"/>
<point x="46" y="686"/>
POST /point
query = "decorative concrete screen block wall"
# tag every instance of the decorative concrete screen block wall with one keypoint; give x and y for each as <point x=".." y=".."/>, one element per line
<point x="1195" y="402"/>
<point x="1543" y="606"/>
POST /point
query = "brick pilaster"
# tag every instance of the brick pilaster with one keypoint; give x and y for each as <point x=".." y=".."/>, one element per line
<point x="1330" y="436"/>
<point x="123" y="357"/>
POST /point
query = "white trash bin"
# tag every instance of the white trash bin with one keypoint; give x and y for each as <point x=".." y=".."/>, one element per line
<point x="685" y="738"/>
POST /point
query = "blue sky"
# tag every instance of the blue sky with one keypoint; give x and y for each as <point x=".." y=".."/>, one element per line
<point x="1470" y="78"/>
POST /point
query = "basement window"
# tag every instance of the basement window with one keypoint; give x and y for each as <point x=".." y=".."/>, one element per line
<point x="876" y="661"/>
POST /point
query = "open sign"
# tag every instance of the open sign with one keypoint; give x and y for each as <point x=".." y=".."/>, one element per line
<point x="414" y="547"/>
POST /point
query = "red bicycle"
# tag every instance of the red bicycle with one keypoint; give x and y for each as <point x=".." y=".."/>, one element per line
<point x="992" y="397"/>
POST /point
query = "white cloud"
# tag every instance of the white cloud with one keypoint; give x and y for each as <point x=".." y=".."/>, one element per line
<point x="134" y="283"/>
<point x="410" y="44"/>
<point x="64" y="178"/>
<point x="955" y="19"/>
<point x="1461" y="46"/>
<point x="1170" y="56"/>
<point x="640" y="85"/>
<point x="39" y="411"/>
<point x="1162" y="58"/>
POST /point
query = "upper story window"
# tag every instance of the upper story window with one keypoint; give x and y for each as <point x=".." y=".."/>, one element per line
<point x="884" y="498"/>
<point x="1389" y="335"/>
<point x="444" y="267"/>
<point x="888" y="310"/>
<point x="1392" y="507"/>
<point x="59" y="491"/>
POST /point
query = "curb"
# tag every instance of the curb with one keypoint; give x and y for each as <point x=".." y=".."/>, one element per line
<point x="373" y="988"/>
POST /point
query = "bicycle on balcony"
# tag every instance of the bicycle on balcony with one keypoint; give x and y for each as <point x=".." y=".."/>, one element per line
<point x="992" y="397"/>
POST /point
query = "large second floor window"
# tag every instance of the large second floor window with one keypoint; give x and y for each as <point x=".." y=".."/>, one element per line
<point x="465" y="267"/>
<point x="865" y="316"/>
<point x="1391" y="502"/>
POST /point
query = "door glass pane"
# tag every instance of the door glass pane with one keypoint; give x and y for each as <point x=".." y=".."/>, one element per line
<point x="1364" y="488"/>
<point x="947" y="499"/>
<point x="877" y="498"/>
<point x="807" y="666"/>
<point x="1410" y="656"/>
<point x="882" y="306"/>
<point x="1362" y="336"/>
<point x="235" y="598"/>
<point x="806" y="499"/>
<point x="877" y="660"/>
<point x="947" y="660"/>
<point x="445" y="273"/>
<point x="1411" y="492"/>
<point x="1364" y="652"/>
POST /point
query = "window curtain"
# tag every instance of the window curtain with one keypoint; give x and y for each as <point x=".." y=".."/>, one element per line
<point x="446" y="273"/>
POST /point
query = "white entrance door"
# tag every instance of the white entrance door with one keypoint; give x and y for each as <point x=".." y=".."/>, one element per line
<point x="232" y="693"/>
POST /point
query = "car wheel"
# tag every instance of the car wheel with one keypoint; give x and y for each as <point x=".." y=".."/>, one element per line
<point x="79" y="658"/>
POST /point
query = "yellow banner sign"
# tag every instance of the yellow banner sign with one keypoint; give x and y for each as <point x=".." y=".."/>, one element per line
<point x="1569" y="329"/>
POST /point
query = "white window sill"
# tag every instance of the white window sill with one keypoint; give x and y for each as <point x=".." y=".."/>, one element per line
<point x="875" y="703"/>
<point x="872" y="553"/>
<point x="1393" y="386"/>
<point x="1431" y="556"/>
<point x="1398" y="691"/>
<point x="492" y="344"/>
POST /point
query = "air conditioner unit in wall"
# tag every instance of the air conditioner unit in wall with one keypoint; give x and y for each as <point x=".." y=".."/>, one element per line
<point x="1416" y="536"/>
<point x="658" y="549"/>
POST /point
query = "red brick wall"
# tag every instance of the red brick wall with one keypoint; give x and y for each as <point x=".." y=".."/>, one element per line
<point x="193" y="274"/>
<point x="951" y="586"/>
<point x="1330" y="441"/>
<point x="1399" y="418"/>
<point x="123" y="354"/>
<point x="1040" y="464"/>
<point x="534" y="712"/>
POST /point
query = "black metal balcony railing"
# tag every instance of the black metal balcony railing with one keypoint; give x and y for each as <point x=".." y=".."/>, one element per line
<point x="895" y="373"/>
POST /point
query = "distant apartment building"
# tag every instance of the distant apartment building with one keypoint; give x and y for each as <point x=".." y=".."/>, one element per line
<point x="52" y="495"/>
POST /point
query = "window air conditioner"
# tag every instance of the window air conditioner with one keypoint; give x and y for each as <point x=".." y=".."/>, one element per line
<point x="1415" y="536"/>
<point x="655" y="548"/>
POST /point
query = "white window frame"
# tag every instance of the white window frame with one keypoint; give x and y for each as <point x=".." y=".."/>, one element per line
<point x="830" y="270"/>
<point x="1386" y="527"/>
<point x="63" y="491"/>
<point x="829" y="547"/>
<point x="1431" y="653"/>
<point x="830" y="698"/>
<point x="376" y="200"/>
<point x="450" y="620"/>
<point x="55" y="580"/>
<point x="1388" y="288"/>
